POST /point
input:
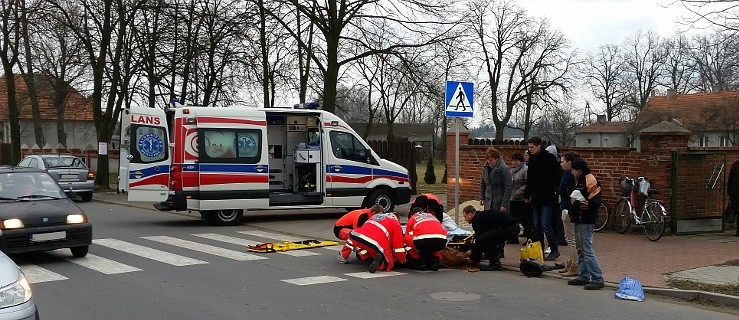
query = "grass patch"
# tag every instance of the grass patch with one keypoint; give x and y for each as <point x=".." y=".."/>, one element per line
<point x="436" y="188"/>
<point x="730" y="289"/>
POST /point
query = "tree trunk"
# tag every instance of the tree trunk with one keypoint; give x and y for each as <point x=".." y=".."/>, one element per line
<point x="266" y="102"/>
<point x="38" y="131"/>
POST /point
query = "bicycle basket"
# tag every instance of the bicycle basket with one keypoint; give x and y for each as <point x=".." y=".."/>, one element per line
<point x="626" y="185"/>
<point x="644" y="186"/>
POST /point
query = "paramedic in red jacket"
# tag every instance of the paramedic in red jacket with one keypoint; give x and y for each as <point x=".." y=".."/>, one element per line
<point x="426" y="237"/>
<point x="348" y="222"/>
<point x="428" y="202"/>
<point x="382" y="237"/>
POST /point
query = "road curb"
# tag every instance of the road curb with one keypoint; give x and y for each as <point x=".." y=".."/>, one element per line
<point x="690" y="295"/>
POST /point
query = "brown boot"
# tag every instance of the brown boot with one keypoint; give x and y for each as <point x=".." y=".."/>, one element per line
<point x="573" y="271"/>
<point x="568" y="263"/>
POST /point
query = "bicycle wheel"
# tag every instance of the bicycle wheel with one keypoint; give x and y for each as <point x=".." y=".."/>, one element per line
<point x="602" y="219"/>
<point x="653" y="221"/>
<point x="622" y="215"/>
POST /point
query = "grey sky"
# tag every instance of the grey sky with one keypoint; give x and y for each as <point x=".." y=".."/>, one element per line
<point x="591" y="23"/>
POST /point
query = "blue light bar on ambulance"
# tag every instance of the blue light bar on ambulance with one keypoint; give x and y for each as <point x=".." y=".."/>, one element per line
<point x="307" y="105"/>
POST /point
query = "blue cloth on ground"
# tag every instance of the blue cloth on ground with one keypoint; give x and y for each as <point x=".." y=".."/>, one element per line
<point x="630" y="289"/>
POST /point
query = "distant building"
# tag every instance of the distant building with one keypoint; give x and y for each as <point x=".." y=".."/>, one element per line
<point x="603" y="133"/>
<point x="78" y="119"/>
<point x="712" y="119"/>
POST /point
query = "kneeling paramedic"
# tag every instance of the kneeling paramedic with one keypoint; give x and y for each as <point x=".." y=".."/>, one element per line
<point x="348" y="222"/>
<point x="382" y="238"/>
<point x="492" y="228"/>
<point x="425" y="237"/>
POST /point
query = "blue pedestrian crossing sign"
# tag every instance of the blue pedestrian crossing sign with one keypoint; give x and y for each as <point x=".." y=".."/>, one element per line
<point x="459" y="99"/>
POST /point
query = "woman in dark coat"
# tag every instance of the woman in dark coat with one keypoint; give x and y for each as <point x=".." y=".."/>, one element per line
<point x="733" y="191"/>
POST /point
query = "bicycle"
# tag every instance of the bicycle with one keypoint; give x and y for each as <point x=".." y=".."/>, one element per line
<point x="602" y="219"/>
<point x="653" y="214"/>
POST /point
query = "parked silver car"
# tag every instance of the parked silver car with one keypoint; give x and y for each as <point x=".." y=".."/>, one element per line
<point x="70" y="172"/>
<point x="16" y="299"/>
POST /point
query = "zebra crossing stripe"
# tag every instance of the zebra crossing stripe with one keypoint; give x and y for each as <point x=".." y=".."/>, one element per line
<point x="245" y="242"/>
<point x="36" y="274"/>
<point x="227" y="239"/>
<point x="367" y="275"/>
<point x="149" y="253"/>
<point x="99" y="264"/>
<point x="221" y="252"/>
<point x="313" y="280"/>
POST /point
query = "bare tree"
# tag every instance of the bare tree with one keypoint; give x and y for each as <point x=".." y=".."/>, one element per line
<point x="59" y="59"/>
<point x="559" y="125"/>
<point x="521" y="58"/>
<point x="605" y="78"/>
<point x="721" y="14"/>
<point x="9" y="51"/>
<point x="716" y="59"/>
<point x="645" y="57"/>
<point x="339" y="25"/>
<point x="679" y="68"/>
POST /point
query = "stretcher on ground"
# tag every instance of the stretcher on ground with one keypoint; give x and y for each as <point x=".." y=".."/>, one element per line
<point x="461" y="243"/>
<point x="269" y="247"/>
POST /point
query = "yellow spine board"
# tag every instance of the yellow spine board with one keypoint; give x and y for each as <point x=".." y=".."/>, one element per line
<point x="290" y="245"/>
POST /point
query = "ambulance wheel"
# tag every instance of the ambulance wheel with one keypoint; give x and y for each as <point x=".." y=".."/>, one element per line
<point x="383" y="198"/>
<point x="229" y="217"/>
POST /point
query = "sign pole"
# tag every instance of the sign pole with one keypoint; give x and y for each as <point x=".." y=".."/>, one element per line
<point x="456" y="172"/>
<point x="458" y="94"/>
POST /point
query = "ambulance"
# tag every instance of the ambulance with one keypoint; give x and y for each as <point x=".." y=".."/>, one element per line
<point x="221" y="162"/>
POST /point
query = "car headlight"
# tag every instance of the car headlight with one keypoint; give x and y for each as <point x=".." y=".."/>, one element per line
<point x="76" y="218"/>
<point x="11" y="224"/>
<point x="16" y="293"/>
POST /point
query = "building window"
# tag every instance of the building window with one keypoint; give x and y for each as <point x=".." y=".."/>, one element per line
<point x="703" y="142"/>
<point x="589" y="141"/>
<point x="630" y="142"/>
<point x="724" y="142"/>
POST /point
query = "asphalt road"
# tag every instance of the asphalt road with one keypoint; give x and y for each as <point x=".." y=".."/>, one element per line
<point x="153" y="265"/>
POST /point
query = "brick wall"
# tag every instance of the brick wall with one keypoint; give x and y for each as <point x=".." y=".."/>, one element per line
<point x="654" y="161"/>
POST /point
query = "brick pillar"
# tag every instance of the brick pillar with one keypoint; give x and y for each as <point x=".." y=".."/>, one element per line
<point x="451" y="141"/>
<point x="658" y="143"/>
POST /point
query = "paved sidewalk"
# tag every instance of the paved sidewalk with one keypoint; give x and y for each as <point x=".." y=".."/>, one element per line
<point x="697" y="258"/>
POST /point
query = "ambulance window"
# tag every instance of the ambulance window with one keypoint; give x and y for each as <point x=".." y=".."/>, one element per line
<point x="345" y="146"/>
<point x="237" y="146"/>
<point x="220" y="144"/>
<point x="151" y="144"/>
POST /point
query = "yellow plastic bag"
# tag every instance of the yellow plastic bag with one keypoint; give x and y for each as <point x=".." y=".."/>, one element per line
<point x="532" y="250"/>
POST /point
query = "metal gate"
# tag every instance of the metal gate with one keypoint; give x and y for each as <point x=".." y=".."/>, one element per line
<point x="698" y="196"/>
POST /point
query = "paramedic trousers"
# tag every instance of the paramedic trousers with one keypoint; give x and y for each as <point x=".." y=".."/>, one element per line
<point x="489" y="243"/>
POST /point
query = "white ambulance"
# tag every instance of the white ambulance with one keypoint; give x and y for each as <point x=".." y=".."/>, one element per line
<point x="222" y="161"/>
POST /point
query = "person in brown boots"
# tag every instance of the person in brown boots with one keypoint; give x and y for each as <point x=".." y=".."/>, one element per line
<point x="566" y="186"/>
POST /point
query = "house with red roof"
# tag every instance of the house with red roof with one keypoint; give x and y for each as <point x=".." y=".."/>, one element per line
<point x="604" y="133"/>
<point x="712" y="119"/>
<point x="77" y="118"/>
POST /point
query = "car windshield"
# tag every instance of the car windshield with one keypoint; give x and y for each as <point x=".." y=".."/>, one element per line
<point x="66" y="162"/>
<point x="29" y="186"/>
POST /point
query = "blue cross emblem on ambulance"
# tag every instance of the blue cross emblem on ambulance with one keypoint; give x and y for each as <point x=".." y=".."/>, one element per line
<point x="150" y="145"/>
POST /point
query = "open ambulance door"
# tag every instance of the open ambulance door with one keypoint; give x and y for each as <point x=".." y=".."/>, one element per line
<point x="148" y="157"/>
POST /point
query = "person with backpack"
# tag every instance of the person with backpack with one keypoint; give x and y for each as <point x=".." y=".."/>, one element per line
<point x="583" y="214"/>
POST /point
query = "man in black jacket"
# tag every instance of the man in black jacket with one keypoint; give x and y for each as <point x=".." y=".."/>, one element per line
<point x="733" y="192"/>
<point x="542" y="182"/>
<point x="492" y="228"/>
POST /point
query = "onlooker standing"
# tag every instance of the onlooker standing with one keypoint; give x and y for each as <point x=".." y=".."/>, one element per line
<point x="557" y="225"/>
<point x="496" y="182"/>
<point x="583" y="215"/>
<point x="519" y="209"/>
<point x="566" y="186"/>
<point x="541" y="187"/>
<point x="733" y="191"/>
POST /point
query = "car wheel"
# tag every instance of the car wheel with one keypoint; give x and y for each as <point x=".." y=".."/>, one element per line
<point x="383" y="198"/>
<point x="79" y="252"/>
<point x="229" y="217"/>
<point x="86" y="196"/>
